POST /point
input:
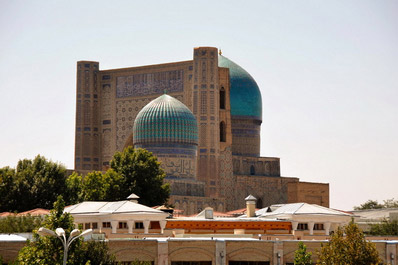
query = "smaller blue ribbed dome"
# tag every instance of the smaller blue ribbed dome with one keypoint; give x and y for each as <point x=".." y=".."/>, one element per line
<point x="245" y="95"/>
<point x="165" y="120"/>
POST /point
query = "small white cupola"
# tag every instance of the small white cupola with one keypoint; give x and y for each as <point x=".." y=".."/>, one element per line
<point x="133" y="198"/>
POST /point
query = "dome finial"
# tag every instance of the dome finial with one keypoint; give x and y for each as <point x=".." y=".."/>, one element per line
<point x="165" y="91"/>
<point x="220" y="52"/>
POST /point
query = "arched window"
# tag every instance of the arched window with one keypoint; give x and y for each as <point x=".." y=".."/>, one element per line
<point x="222" y="98"/>
<point x="252" y="170"/>
<point x="223" y="135"/>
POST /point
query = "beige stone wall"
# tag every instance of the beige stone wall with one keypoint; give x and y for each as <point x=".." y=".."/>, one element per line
<point x="249" y="251"/>
<point x="218" y="251"/>
<point x="9" y="250"/>
<point x="309" y="192"/>
<point x="289" y="247"/>
<point x="192" y="250"/>
<point x="381" y="248"/>
<point x="130" y="250"/>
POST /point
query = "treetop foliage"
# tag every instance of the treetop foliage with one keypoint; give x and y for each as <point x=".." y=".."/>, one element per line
<point x="348" y="246"/>
<point x="385" y="228"/>
<point x="20" y="224"/>
<point x="373" y="204"/>
<point x="37" y="183"/>
<point x="132" y="171"/>
<point x="301" y="256"/>
<point x="142" y="175"/>
<point x="32" y="184"/>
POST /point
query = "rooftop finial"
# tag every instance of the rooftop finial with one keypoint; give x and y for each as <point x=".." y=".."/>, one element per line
<point x="220" y="52"/>
<point x="165" y="91"/>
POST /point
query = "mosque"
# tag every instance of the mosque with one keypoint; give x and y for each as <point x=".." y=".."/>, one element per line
<point x="201" y="118"/>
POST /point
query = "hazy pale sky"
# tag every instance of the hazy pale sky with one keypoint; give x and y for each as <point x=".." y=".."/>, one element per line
<point x="327" y="70"/>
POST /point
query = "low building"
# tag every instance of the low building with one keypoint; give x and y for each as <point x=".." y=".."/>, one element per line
<point x="207" y="223"/>
<point x="120" y="218"/>
<point x="260" y="237"/>
<point x="307" y="219"/>
<point x="365" y="218"/>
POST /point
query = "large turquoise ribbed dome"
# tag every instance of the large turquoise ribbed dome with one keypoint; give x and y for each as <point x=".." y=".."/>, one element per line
<point x="245" y="95"/>
<point x="165" y="120"/>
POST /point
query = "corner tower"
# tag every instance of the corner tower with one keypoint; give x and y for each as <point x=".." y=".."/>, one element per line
<point x="87" y="131"/>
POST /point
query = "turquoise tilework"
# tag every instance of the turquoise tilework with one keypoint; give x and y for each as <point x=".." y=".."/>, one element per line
<point x="165" y="119"/>
<point x="245" y="94"/>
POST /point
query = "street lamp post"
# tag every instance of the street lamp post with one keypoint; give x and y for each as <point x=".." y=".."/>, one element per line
<point x="60" y="233"/>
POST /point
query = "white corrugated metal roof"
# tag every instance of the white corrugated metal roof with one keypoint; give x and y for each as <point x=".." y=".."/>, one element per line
<point x="303" y="208"/>
<point x="11" y="237"/>
<point x="89" y="207"/>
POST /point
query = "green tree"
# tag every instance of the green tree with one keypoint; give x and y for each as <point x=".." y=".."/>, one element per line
<point x="98" y="186"/>
<point x="390" y="203"/>
<point x="370" y="204"/>
<point x="8" y="190"/>
<point x="74" y="188"/>
<point x="94" y="186"/>
<point x="301" y="256"/>
<point x="142" y="175"/>
<point x="39" y="181"/>
<point x="49" y="250"/>
<point x="20" y="224"/>
<point x="385" y="228"/>
<point x="348" y="246"/>
<point x="96" y="253"/>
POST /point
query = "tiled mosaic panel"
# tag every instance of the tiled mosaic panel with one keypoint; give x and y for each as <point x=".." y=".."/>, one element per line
<point x="126" y="111"/>
<point x="149" y="83"/>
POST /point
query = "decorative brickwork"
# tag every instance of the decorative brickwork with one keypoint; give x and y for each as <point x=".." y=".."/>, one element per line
<point x="246" y="137"/>
<point x="126" y="111"/>
<point x="149" y="83"/>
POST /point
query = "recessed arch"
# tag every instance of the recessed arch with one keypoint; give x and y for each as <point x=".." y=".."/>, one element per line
<point x="222" y="98"/>
<point x="196" y="254"/>
<point x="241" y="254"/>
<point x="252" y="170"/>
<point x="135" y="254"/>
<point x="223" y="134"/>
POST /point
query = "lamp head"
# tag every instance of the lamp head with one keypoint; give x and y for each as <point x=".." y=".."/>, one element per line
<point x="86" y="232"/>
<point x="75" y="232"/>
<point x="60" y="231"/>
<point x="45" y="232"/>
